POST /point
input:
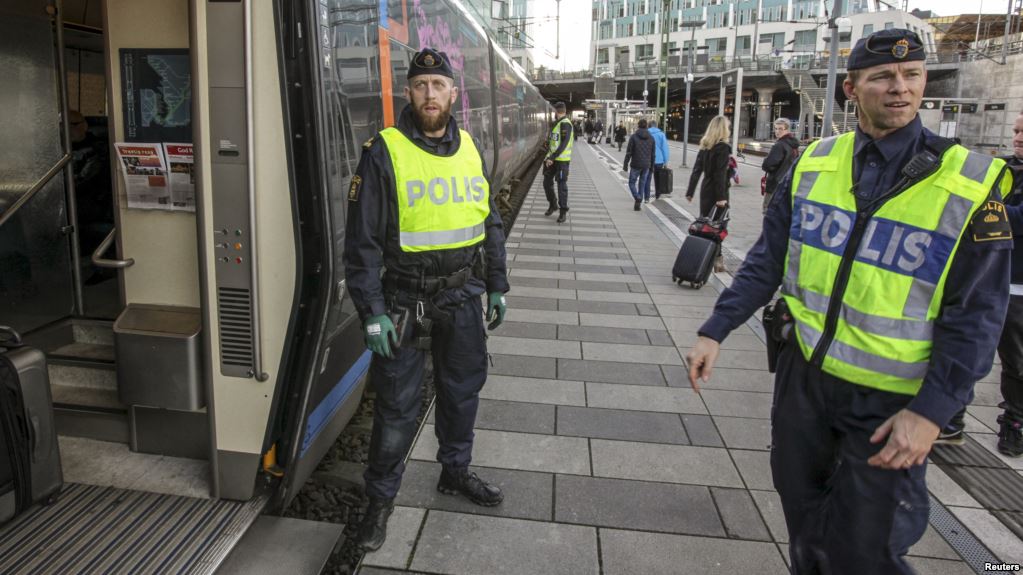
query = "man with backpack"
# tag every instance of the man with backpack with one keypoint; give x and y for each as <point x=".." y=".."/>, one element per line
<point x="661" y="155"/>
<point x="783" y="154"/>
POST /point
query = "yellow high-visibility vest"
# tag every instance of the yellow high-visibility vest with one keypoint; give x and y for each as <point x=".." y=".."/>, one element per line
<point x="442" y="201"/>
<point x="882" y="315"/>
<point x="555" y="140"/>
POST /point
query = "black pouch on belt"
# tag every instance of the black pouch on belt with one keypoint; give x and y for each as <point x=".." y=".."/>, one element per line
<point x="778" y="326"/>
<point x="399" y="317"/>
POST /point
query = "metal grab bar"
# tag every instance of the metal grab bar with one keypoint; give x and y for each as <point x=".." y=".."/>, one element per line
<point x="35" y="188"/>
<point x="250" y="127"/>
<point x="100" y="261"/>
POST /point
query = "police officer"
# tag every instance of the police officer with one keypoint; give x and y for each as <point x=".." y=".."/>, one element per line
<point x="891" y="247"/>
<point x="555" y="167"/>
<point x="420" y="211"/>
<point x="1010" y="347"/>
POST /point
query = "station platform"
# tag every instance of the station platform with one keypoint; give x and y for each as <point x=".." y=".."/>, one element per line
<point x="609" y="462"/>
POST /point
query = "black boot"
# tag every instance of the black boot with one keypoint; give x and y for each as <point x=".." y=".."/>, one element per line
<point x="1010" y="435"/>
<point x="562" y="216"/>
<point x="373" y="530"/>
<point x="636" y="207"/>
<point x="467" y="483"/>
<point x="550" y="210"/>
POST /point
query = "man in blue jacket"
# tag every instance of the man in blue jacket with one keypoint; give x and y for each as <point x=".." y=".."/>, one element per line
<point x="660" y="158"/>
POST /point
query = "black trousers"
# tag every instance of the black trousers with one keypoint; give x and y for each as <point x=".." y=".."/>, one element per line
<point x="459" y="371"/>
<point x="1010" y="350"/>
<point x="558" y="172"/>
<point x="843" y="516"/>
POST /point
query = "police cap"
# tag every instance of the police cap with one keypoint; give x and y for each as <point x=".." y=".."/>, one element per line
<point x="886" y="47"/>
<point x="430" y="61"/>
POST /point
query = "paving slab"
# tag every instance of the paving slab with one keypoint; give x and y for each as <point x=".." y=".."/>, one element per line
<point x="621" y="425"/>
<point x="522" y="451"/>
<point x="603" y="334"/>
<point x="939" y="566"/>
<point x="662" y="507"/>
<point x="746" y="433"/>
<point x="658" y="337"/>
<point x="933" y="545"/>
<point x="402" y="531"/>
<point x="514" y="416"/>
<point x="769" y="504"/>
<point x="522" y="365"/>
<point x="594" y="286"/>
<point x="552" y="293"/>
<point x="674" y="463"/>
<point x="533" y="347"/>
<point x="632" y="552"/>
<point x="631" y="353"/>
<point x="517" y="302"/>
<point x="601" y="307"/>
<point x="611" y="372"/>
<point x="995" y="535"/>
<point x="452" y="543"/>
<point x="526" y="329"/>
<point x="724" y="378"/>
<point x="516" y="273"/>
<point x="701" y="430"/>
<point x="614" y="320"/>
<point x="739" y="514"/>
<point x="527" y="494"/>
<point x="543" y="316"/>
<point x="534" y="390"/>
<point x="593" y="295"/>
<point x="643" y="398"/>
<point x="738" y="403"/>
<point x="755" y="468"/>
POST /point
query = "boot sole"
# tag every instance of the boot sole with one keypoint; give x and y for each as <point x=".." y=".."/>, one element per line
<point x="1010" y="452"/>
<point x="368" y="547"/>
<point x="480" y="502"/>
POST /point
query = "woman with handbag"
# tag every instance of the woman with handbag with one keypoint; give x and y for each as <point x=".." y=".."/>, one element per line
<point x="712" y="165"/>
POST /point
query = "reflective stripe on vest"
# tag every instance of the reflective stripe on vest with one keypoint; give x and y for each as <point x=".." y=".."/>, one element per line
<point x="443" y="202"/>
<point x="884" y="329"/>
<point x="555" y="140"/>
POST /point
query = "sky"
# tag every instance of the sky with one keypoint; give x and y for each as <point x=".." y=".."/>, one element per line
<point x="574" y="45"/>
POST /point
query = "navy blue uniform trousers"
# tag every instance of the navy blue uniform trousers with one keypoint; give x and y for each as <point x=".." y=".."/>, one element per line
<point x="459" y="371"/>
<point x="558" y="172"/>
<point x="843" y="516"/>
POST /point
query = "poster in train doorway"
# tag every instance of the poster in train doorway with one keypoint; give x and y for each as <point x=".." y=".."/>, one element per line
<point x="181" y="176"/>
<point x="145" y="175"/>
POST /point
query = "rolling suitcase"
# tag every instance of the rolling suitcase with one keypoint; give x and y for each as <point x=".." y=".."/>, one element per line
<point x="694" y="261"/>
<point x="30" y="470"/>
<point x="663" y="181"/>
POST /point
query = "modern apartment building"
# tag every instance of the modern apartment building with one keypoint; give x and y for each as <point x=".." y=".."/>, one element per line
<point x="625" y="32"/>
<point x="514" y="24"/>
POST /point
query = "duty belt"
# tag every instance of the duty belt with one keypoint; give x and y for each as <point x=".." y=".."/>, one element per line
<point x="427" y="285"/>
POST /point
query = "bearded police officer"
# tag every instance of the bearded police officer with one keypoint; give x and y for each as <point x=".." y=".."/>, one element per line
<point x="555" y="167"/>
<point x="891" y="247"/>
<point x="424" y="243"/>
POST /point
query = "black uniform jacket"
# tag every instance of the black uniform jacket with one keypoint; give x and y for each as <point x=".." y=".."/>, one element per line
<point x="371" y="236"/>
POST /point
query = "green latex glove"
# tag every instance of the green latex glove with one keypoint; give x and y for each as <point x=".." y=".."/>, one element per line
<point x="379" y="334"/>
<point x="496" y="308"/>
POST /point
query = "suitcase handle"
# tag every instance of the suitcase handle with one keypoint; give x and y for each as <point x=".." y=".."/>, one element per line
<point x="12" y="339"/>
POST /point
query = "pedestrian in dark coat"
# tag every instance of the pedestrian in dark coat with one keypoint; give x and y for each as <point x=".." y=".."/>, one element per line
<point x="641" y="152"/>
<point x="712" y="164"/>
<point x="620" y="134"/>
<point x="781" y="157"/>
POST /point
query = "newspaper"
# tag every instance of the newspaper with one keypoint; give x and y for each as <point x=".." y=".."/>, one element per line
<point x="145" y="176"/>
<point x="182" y="176"/>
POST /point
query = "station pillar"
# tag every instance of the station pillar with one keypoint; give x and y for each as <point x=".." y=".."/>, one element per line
<point x="764" y="132"/>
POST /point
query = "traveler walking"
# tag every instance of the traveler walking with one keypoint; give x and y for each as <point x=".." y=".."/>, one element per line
<point x="641" y="152"/>
<point x="598" y="131"/>
<point x="416" y="266"/>
<point x="661" y="156"/>
<point x="712" y="165"/>
<point x="782" y="156"/>
<point x="555" y="165"/>
<point x="620" y="133"/>
<point x="892" y="250"/>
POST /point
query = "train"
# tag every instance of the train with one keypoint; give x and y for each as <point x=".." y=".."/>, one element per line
<point x="201" y="343"/>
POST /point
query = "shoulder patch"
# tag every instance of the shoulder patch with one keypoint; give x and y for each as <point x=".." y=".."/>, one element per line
<point x="355" y="188"/>
<point x="990" y="223"/>
<point x="368" y="143"/>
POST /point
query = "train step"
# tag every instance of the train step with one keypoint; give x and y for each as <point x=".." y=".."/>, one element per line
<point x="283" y="545"/>
<point x="94" y="529"/>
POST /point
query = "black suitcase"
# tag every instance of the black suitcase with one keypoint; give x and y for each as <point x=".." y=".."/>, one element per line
<point x="663" y="181"/>
<point x="30" y="470"/>
<point x="694" y="261"/>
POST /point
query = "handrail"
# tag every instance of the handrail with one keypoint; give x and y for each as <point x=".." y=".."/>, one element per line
<point x="35" y="188"/>
<point x="99" y="261"/>
<point x="257" y="339"/>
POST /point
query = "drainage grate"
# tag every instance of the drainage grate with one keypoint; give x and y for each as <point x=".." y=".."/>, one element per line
<point x="959" y="537"/>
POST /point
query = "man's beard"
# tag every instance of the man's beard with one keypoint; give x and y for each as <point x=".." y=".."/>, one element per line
<point x="435" y="123"/>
